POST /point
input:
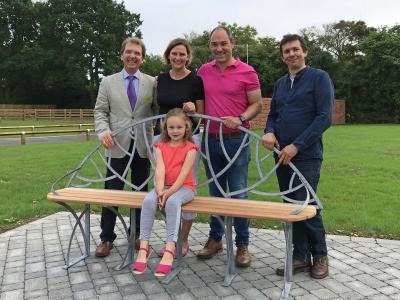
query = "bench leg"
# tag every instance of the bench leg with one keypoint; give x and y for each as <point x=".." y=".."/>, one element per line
<point x="85" y="233"/>
<point x="231" y="269"/>
<point x="87" y="229"/>
<point x="288" y="277"/>
<point x="129" y="255"/>
<point x="230" y="272"/>
<point x="178" y="263"/>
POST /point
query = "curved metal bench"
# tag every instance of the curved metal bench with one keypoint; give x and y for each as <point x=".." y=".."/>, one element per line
<point x="78" y="188"/>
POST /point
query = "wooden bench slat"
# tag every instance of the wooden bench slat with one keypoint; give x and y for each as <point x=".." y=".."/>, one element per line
<point x="98" y="193"/>
<point x="261" y="212"/>
<point x="129" y="202"/>
<point x="200" y="204"/>
<point x="100" y="201"/>
<point x="252" y="214"/>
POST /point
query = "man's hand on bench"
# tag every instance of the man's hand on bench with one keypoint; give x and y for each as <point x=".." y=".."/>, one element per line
<point x="107" y="140"/>
<point x="287" y="154"/>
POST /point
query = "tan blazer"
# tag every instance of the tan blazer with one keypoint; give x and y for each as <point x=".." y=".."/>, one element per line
<point x="113" y="111"/>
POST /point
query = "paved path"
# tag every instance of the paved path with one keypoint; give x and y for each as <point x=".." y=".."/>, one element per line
<point x="32" y="257"/>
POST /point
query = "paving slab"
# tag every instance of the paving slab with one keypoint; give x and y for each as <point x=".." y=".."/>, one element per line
<point x="33" y="256"/>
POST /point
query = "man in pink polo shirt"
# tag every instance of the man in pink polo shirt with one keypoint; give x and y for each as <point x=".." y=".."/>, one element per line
<point x="232" y="92"/>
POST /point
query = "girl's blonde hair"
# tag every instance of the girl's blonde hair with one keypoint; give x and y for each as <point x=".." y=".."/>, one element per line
<point x="177" y="112"/>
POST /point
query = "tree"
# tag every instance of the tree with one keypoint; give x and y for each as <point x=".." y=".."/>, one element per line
<point x="372" y="81"/>
<point x="199" y="44"/>
<point x="88" y="34"/>
<point x="318" y="57"/>
<point x="342" y="39"/>
<point x="154" y="65"/>
<point x="266" y="60"/>
<point x="18" y="34"/>
<point x="69" y="45"/>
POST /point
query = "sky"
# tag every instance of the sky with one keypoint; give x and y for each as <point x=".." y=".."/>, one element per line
<point x="164" y="20"/>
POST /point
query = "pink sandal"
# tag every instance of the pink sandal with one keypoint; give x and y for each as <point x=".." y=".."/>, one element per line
<point x="184" y="252"/>
<point x="140" y="267"/>
<point x="163" y="270"/>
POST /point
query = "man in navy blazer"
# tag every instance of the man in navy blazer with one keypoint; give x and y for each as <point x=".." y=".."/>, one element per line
<point x="301" y="110"/>
<point x="115" y="110"/>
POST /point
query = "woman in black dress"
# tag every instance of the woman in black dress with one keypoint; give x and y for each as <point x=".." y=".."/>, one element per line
<point x="181" y="88"/>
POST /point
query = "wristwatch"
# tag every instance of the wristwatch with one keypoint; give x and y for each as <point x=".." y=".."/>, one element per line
<point x="242" y="118"/>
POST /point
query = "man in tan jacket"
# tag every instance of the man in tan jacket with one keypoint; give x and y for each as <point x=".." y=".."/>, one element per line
<point x="123" y="98"/>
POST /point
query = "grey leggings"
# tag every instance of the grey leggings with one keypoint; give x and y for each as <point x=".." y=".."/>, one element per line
<point x="172" y="212"/>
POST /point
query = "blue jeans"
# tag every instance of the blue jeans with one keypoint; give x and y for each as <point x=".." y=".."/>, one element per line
<point x="308" y="235"/>
<point x="235" y="178"/>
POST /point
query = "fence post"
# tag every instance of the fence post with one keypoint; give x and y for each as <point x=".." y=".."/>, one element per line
<point x="33" y="128"/>
<point x="23" y="138"/>
<point x="88" y="134"/>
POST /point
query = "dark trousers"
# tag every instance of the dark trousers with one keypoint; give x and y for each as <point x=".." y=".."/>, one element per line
<point x="139" y="172"/>
<point x="308" y="235"/>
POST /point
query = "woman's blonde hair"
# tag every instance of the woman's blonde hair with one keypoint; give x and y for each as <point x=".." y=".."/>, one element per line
<point x="176" y="112"/>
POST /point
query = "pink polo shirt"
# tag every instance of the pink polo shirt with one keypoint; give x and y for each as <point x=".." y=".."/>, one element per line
<point x="226" y="90"/>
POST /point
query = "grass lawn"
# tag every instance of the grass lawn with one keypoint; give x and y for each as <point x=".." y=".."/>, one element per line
<point x="360" y="180"/>
<point x="359" y="185"/>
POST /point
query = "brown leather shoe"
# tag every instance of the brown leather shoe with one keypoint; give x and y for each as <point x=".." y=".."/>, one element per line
<point x="104" y="249"/>
<point x="243" y="258"/>
<point x="320" y="267"/>
<point x="298" y="267"/>
<point x="210" y="249"/>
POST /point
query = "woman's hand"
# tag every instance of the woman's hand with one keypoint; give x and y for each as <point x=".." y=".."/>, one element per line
<point x="189" y="107"/>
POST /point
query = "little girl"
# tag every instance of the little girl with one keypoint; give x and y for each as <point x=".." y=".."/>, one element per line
<point x="175" y="185"/>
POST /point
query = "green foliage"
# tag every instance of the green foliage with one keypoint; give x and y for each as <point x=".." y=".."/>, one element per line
<point x="370" y="81"/>
<point x="199" y="45"/>
<point x="342" y="39"/>
<point x="154" y="65"/>
<point x="69" y="45"/>
<point x="364" y="64"/>
<point x="18" y="35"/>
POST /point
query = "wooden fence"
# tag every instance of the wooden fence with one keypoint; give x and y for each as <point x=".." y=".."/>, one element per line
<point x="35" y="127"/>
<point x="46" y="114"/>
<point x="339" y="112"/>
<point x="23" y="134"/>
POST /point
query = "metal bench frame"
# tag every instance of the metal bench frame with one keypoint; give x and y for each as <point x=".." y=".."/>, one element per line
<point x="75" y="179"/>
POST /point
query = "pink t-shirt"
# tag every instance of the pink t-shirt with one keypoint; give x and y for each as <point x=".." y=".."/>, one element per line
<point x="173" y="158"/>
<point x="226" y="90"/>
